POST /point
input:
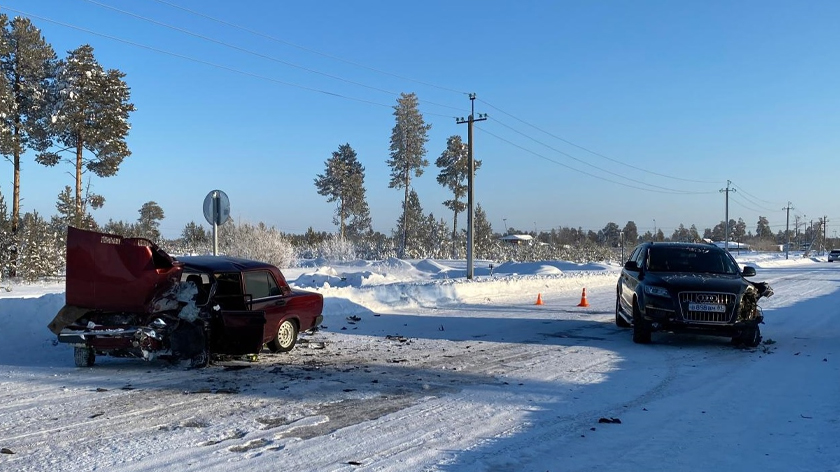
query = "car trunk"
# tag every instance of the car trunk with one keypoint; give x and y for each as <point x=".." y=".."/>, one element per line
<point x="111" y="273"/>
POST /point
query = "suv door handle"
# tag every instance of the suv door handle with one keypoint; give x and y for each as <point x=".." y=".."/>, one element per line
<point x="280" y="303"/>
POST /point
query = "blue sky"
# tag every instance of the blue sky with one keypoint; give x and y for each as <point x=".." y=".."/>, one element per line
<point x="599" y="111"/>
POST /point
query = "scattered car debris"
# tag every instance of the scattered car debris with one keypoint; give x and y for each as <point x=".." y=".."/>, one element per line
<point x="610" y="420"/>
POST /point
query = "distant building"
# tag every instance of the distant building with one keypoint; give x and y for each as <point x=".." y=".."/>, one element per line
<point x="517" y="239"/>
<point x="733" y="245"/>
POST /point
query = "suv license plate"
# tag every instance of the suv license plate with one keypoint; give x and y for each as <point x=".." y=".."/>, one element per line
<point x="706" y="307"/>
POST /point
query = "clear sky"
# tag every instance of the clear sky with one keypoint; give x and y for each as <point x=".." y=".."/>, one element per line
<point x="599" y="111"/>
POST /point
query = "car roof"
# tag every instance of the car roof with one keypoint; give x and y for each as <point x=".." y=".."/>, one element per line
<point x="683" y="245"/>
<point x="221" y="264"/>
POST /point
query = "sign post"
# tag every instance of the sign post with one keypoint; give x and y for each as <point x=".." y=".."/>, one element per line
<point x="216" y="212"/>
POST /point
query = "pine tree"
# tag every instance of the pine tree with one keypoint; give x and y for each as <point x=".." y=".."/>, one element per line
<point x="148" y="223"/>
<point x="27" y="66"/>
<point x="196" y="239"/>
<point x="40" y="256"/>
<point x="7" y="242"/>
<point x="66" y="207"/>
<point x="454" y="167"/>
<point x="410" y="225"/>
<point x="483" y="239"/>
<point x="90" y="112"/>
<point x="762" y="229"/>
<point x="408" y="151"/>
<point x="631" y="234"/>
<point x="121" y="228"/>
<point x="343" y="181"/>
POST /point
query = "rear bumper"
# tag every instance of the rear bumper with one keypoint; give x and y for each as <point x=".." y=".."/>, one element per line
<point x="98" y="339"/>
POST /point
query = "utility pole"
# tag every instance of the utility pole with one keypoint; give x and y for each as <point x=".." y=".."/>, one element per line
<point x="470" y="181"/>
<point x="787" y="228"/>
<point x="726" y="222"/>
<point x="825" y="226"/>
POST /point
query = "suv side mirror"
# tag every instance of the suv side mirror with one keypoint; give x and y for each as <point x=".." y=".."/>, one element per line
<point x="748" y="271"/>
<point x="631" y="265"/>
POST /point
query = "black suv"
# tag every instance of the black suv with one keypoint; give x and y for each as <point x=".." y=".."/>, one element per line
<point x="688" y="287"/>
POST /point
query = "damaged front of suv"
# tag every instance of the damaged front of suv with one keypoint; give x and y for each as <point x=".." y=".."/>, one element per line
<point x="125" y="297"/>
<point x="685" y="287"/>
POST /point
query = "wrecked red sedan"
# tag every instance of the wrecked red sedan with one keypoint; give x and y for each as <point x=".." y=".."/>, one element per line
<point x="126" y="297"/>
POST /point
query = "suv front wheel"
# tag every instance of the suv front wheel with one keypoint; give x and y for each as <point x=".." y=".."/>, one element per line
<point x="641" y="330"/>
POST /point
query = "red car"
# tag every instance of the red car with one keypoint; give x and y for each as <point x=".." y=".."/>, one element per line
<point x="126" y="297"/>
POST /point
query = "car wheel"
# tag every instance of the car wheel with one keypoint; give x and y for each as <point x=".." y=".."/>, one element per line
<point x="641" y="331"/>
<point x="286" y="337"/>
<point x="751" y="337"/>
<point x="200" y="361"/>
<point x="84" y="356"/>
<point x="619" y="320"/>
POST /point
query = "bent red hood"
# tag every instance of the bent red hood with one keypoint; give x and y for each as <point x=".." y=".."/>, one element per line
<point x="112" y="273"/>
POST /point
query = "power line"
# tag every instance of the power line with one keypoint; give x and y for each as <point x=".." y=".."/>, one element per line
<point x="254" y="53"/>
<point x="596" y="153"/>
<point x="581" y="160"/>
<point x="753" y="196"/>
<point x="752" y="200"/>
<point x="587" y="173"/>
<point x="303" y="48"/>
<point x="208" y="63"/>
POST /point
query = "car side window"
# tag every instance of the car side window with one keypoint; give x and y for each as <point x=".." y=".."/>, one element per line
<point x="260" y="284"/>
<point x="640" y="257"/>
<point x="634" y="254"/>
<point x="229" y="291"/>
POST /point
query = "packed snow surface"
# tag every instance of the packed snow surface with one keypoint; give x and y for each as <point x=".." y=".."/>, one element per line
<point x="418" y="368"/>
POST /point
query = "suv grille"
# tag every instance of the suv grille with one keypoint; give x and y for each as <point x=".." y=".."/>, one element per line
<point x="710" y="299"/>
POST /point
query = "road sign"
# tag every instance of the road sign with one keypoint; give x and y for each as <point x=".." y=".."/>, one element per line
<point x="216" y="207"/>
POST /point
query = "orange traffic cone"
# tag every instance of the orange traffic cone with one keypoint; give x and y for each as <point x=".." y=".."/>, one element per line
<point x="583" y="301"/>
<point x="539" y="299"/>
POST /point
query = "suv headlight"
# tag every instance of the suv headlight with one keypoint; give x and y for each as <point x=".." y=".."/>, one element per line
<point x="657" y="291"/>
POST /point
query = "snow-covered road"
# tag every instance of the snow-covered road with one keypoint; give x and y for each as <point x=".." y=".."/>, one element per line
<point x="487" y="381"/>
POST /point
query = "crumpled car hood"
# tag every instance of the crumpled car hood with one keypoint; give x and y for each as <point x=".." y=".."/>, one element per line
<point x="111" y="273"/>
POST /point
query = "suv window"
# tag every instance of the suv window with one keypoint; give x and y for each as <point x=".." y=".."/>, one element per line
<point x="684" y="259"/>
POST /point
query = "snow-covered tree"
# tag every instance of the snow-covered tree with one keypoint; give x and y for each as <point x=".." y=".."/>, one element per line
<point x="27" y="67"/>
<point x="7" y="241"/>
<point x="195" y="239"/>
<point x="454" y="167"/>
<point x="121" y="228"/>
<point x="631" y="234"/>
<point x="67" y="209"/>
<point x="408" y="151"/>
<point x="39" y="255"/>
<point x="483" y="240"/>
<point x="409" y="226"/>
<point x="610" y="235"/>
<point x="762" y="229"/>
<point x="148" y="224"/>
<point x="257" y="242"/>
<point x="90" y="113"/>
<point x="343" y="182"/>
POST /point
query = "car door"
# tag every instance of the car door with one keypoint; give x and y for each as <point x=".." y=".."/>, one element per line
<point x="630" y="279"/>
<point x="266" y="296"/>
<point x="234" y="329"/>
